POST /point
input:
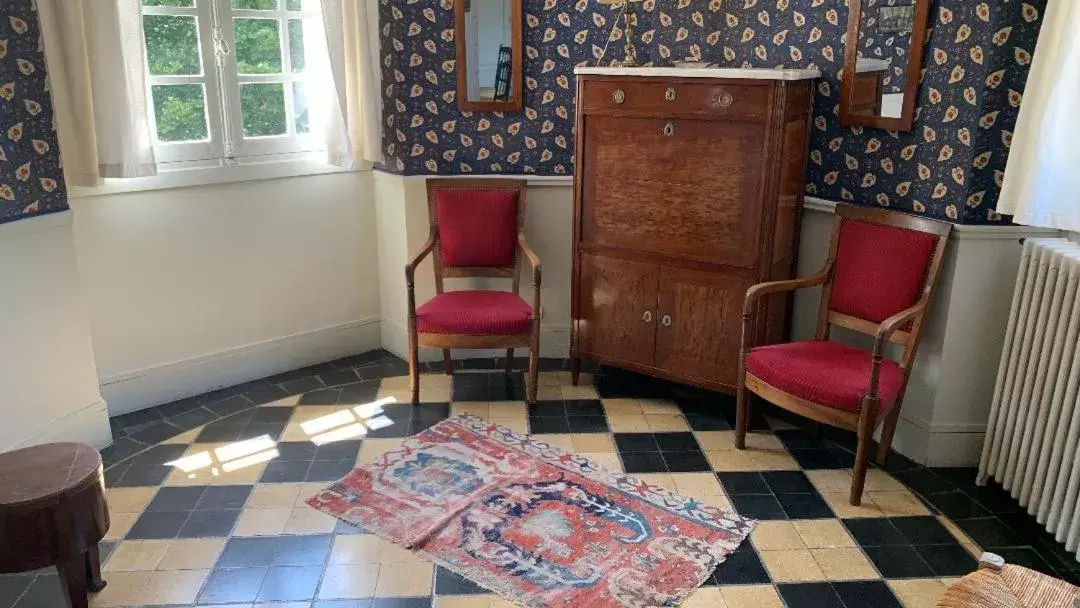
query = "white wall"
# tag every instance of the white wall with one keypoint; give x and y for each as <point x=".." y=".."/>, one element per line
<point x="46" y="363"/>
<point x="190" y="289"/>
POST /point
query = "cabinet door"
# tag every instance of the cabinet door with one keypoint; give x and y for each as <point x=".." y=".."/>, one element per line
<point x="617" y="308"/>
<point x="700" y="323"/>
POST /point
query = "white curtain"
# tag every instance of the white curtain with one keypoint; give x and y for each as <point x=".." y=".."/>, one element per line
<point x="95" y="55"/>
<point x="1042" y="179"/>
<point x="354" y="133"/>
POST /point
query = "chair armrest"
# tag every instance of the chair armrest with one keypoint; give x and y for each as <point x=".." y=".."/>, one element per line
<point x="763" y="289"/>
<point x="410" y="268"/>
<point x="890" y="326"/>
<point x="534" y="261"/>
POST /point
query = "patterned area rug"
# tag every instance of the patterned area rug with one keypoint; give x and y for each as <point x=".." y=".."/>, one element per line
<point x="536" y="524"/>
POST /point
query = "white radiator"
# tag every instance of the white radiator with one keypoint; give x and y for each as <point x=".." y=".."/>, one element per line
<point x="1032" y="440"/>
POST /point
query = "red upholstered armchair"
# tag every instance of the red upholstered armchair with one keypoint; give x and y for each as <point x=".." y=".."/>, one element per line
<point x="878" y="280"/>
<point x="476" y="231"/>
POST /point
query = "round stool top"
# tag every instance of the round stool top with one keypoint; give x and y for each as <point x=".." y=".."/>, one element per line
<point x="42" y="472"/>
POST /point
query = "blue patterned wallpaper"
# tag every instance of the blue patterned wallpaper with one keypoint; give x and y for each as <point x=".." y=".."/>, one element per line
<point x="950" y="166"/>
<point x="31" y="180"/>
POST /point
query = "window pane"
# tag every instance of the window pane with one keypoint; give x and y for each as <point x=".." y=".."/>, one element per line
<point x="263" y="107"/>
<point x="256" y="5"/>
<point x="258" y="46"/>
<point x="180" y="111"/>
<point x="180" y="3"/>
<point x="301" y="121"/>
<point x="294" y="5"/>
<point x="172" y="44"/>
<point x="296" y="44"/>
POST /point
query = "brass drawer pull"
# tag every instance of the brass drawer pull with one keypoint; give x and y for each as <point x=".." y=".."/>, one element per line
<point x="618" y="96"/>
<point x="647" y="317"/>
<point x="669" y="95"/>
<point x="725" y="99"/>
<point x="669" y="129"/>
<point x="666" y="321"/>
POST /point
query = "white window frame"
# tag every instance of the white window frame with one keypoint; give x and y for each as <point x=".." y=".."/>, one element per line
<point x="221" y="81"/>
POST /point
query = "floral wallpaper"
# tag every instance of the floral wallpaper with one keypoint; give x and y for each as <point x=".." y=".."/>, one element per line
<point x="31" y="180"/>
<point x="949" y="166"/>
<point x="891" y="47"/>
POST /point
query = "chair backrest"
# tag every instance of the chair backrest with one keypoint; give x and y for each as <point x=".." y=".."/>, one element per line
<point x="475" y="223"/>
<point x="882" y="262"/>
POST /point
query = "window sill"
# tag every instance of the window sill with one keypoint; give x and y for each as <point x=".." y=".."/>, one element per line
<point x="191" y="176"/>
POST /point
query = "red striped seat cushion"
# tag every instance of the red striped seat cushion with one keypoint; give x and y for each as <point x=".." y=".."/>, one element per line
<point x="824" y="372"/>
<point x="477" y="313"/>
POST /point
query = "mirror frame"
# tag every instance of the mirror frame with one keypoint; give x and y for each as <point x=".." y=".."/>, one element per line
<point x="516" y="103"/>
<point x="914" y="71"/>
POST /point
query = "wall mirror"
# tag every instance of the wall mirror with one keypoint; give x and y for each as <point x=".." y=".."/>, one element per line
<point x="488" y="34"/>
<point x="880" y="84"/>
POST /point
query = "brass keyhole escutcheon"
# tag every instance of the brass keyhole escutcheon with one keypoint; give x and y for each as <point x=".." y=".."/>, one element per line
<point x="669" y="129"/>
<point x="670" y="94"/>
<point x="725" y="99"/>
<point x="618" y="96"/>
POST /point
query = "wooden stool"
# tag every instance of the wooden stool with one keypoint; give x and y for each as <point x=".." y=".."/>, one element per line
<point x="53" y="512"/>
<point x="996" y="585"/>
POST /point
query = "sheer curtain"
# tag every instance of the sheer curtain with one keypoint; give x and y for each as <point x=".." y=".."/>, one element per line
<point x="354" y="132"/>
<point x="1042" y="179"/>
<point x="95" y="56"/>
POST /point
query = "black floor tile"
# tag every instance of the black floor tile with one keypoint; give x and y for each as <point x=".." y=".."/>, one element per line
<point x="193" y="418"/>
<point x="636" y="442"/>
<point x="301" y="386"/>
<point x="12" y="587"/>
<point x="223" y="497"/>
<point x="230" y="585"/>
<point x="156" y="433"/>
<point x="797" y="439"/>
<point x="137" y="418"/>
<point x="338" y="377"/>
<point x="583" y="407"/>
<point x="322" y="396"/>
<point x="540" y="426"/>
<point x="230" y="405"/>
<point x="948" y="560"/>
<point x="743" y="483"/>
<point x="142" y="475"/>
<point x="758" y="506"/>
<point x="450" y="583"/>
<point x="643" y="462"/>
<point x="810" y="595"/>
<point x="995" y="499"/>
<point x="990" y="533"/>
<point x="271" y="414"/>
<point x="898" y="562"/>
<point x="547" y="409"/>
<point x="158" y="525"/>
<point x="686" y="462"/>
<point x="743" y="567"/>
<point x="44" y="592"/>
<point x="176" y="499"/>
<point x="395" y="429"/>
<point x="290" y="583"/>
<point x="588" y="424"/>
<point x="401" y="602"/>
<point x="805" y="506"/>
<point x="866" y="594"/>
<point x="359" y="392"/>
<point x="296" y="451"/>
<point x="222" y="431"/>
<point x="285" y="472"/>
<point x="329" y="470"/>
<point x="249" y="552"/>
<point x="923" y="531"/>
<point x="207" y="524"/>
<point x="121" y="448"/>
<point x="818" y="458"/>
<point x="677" y="442"/>
<point x="265" y="394"/>
<point x="788" y="482"/>
<point x="924" y="481"/>
<point x="708" y="422"/>
<point x="957" y="505"/>
<point x="874" y="532"/>
<point x="307" y="550"/>
<point x="338" y="450"/>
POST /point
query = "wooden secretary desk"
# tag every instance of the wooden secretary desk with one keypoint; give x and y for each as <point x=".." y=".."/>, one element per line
<point x="688" y="189"/>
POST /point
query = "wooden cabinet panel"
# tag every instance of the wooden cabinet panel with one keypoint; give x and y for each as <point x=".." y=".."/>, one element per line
<point x="617" y="308"/>
<point x="744" y="102"/>
<point x="697" y="195"/>
<point x="700" y="323"/>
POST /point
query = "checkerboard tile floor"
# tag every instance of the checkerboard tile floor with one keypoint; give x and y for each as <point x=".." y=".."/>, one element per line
<point x="207" y="494"/>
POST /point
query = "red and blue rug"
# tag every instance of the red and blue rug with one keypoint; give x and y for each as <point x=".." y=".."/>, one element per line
<point x="536" y="524"/>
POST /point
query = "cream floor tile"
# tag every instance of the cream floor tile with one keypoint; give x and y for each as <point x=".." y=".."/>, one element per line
<point x="357" y="549"/>
<point x="775" y="536"/>
<point x="843" y="509"/>
<point x="305" y="520"/>
<point x="349" y="581"/>
<point x="404" y="383"/>
<point x="129" y="500"/>
<point x="608" y="460"/>
<point x="372" y="448"/>
<point x="880" y="481"/>
<point x="705" y="597"/>
<point x="396" y="554"/>
<point x="306" y="413"/>
<point x="462" y="601"/>
<point x="548" y="392"/>
<point x="508" y="409"/>
<point x="763" y="441"/>
<point x="518" y="424"/>
<point x="898" y="504"/>
<point x="184" y="438"/>
<point x="263" y="522"/>
<point x="284" y="401"/>
<point x="434" y="394"/>
<point x="119" y="524"/>
<point x="664" y="480"/>
<point x="192" y="554"/>
<point x="830" y="480"/>
<point x="404" y="580"/>
<point x="844" y="564"/>
<point x="659" y="407"/>
<point x="174" y="586"/>
<point x="666" y="423"/>
<point x="216" y="477"/>
<point x="273" y="496"/>
<point x="698" y="485"/>
<point x="592" y="442"/>
<point x="307" y="490"/>
<point x="628" y="423"/>
<point x="476" y="408"/>
<point x="560" y="441"/>
<point x="499" y="602"/>
<point x="729" y="460"/>
<point x="823" y="533"/>
<point x="777" y="424"/>
<point x="295" y="433"/>
<point x="579" y="392"/>
<point x="716" y="441"/>
<point x="772" y="460"/>
<point x="791" y="566"/>
<point x="124" y="589"/>
<point x="918" y="593"/>
<point x="137" y="555"/>
<point x="622" y="407"/>
<point x="751" y="596"/>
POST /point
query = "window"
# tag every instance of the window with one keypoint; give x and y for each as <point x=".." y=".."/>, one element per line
<point x="230" y="80"/>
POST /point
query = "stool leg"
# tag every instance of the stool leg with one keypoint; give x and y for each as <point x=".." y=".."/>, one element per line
<point x="94" y="582"/>
<point x="73" y="580"/>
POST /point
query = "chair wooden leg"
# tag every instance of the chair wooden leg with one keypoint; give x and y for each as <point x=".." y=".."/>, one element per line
<point x="888" y="430"/>
<point x="742" y="415"/>
<point x="575" y="370"/>
<point x="534" y="376"/>
<point x="448" y="362"/>
<point x="414" y="369"/>
<point x="509" y="361"/>
<point x="862" y="453"/>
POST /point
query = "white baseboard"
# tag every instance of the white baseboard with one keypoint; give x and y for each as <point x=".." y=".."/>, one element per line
<point x="89" y="425"/>
<point x="946" y="445"/>
<point x="554" y="344"/>
<point x="167" y="382"/>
